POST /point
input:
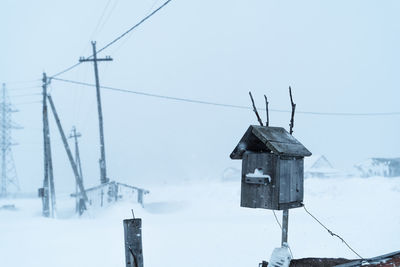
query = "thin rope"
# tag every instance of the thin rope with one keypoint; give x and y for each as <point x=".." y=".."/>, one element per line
<point x="332" y="233"/>
<point x="276" y="218"/>
<point x="280" y="226"/>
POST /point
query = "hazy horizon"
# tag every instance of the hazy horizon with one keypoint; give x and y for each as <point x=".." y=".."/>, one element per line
<point x="339" y="57"/>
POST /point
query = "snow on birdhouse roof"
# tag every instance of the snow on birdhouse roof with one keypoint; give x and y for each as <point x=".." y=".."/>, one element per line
<point x="266" y="139"/>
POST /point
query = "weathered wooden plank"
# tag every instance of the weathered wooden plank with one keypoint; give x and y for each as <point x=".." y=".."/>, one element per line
<point x="133" y="242"/>
<point x="258" y="195"/>
<point x="289" y="149"/>
<point x="291" y="180"/>
<point x="265" y="139"/>
<point x="313" y="262"/>
<point x="277" y="134"/>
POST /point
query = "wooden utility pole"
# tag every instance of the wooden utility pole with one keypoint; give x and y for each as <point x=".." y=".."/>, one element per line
<point x="47" y="210"/>
<point x="68" y="150"/>
<point x="102" y="161"/>
<point x="74" y="134"/>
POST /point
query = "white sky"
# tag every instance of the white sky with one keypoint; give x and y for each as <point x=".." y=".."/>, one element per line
<point x="338" y="56"/>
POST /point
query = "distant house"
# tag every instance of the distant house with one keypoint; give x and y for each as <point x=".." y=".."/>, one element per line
<point x="231" y="174"/>
<point x="385" y="167"/>
<point x="319" y="166"/>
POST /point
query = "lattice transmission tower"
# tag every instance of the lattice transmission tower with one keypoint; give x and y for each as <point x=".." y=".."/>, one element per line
<point x="9" y="178"/>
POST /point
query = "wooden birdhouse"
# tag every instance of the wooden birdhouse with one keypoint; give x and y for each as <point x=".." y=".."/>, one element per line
<point x="272" y="168"/>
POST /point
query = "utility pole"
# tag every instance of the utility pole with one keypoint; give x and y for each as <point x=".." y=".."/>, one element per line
<point x="48" y="191"/>
<point x="8" y="171"/>
<point x="102" y="161"/>
<point x="75" y="135"/>
<point x="68" y="150"/>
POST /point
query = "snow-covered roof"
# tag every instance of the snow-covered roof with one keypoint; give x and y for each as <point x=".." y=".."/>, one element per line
<point x="266" y="139"/>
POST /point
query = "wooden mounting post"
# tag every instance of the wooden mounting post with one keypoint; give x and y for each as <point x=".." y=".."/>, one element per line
<point x="285" y="215"/>
<point x="285" y="226"/>
<point x="133" y="242"/>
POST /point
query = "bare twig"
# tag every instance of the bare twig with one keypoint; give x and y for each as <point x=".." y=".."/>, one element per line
<point x="266" y="108"/>
<point x="255" y="109"/>
<point x="293" y="110"/>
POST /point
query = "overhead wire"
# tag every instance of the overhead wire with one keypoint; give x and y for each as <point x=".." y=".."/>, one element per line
<point x="135" y="26"/>
<point x="23" y="88"/>
<point x="24" y="95"/>
<point x="196" y="101"/>
<point x="115" y="50"/>
<point x="109" y="15"/>
<point x="27" y="103"/>
<point x="100" y="20"/>
<point x="115" y="40"/>
<point x="87" y="44"/>
<point x="22" y="82"/>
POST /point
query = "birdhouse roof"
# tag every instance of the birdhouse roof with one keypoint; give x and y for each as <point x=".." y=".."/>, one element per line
<point x="266" y="139"/>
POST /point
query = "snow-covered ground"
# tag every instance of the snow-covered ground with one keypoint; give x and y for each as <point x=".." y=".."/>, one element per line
<point x="201" y="224"/>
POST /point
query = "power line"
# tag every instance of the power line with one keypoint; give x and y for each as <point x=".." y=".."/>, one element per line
<point x="135" y="26"/>
<point x="22" y="82"/>
<point x="108" y="16"/>
<point x="66" y="70"/>
<point x="116" y="39"/>
<point x="189" y="100"/>
<point x="28" y="103"/>
<point x="100" y="19"/>
<point x="24" y="88"/>
<point x="12" y="96"/>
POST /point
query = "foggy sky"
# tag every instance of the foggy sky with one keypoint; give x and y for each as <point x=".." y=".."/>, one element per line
<point x="338" y="56"/>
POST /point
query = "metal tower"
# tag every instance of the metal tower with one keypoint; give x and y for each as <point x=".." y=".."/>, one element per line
<point x="9" y="179"/>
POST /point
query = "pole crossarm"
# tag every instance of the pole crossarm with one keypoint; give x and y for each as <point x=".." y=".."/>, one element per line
<point x="107" y="58"/>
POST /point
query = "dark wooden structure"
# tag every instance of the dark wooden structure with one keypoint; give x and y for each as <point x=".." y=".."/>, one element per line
<point x="272" y="168"/>
<point x="133" y="242"/>
<point x="387" y="260"/>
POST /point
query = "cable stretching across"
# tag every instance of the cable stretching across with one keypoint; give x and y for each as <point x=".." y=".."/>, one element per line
<point x="226" y="105"/>
<point x="116" y="39"/>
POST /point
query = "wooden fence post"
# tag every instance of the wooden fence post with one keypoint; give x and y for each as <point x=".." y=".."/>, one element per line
<point x="133" y="242"/>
